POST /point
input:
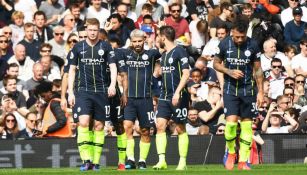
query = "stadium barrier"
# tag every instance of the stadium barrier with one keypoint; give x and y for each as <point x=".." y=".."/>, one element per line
<point x="55" y="153"/>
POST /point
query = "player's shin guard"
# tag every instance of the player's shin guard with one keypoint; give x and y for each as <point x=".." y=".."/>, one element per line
<point x="84" y="143"/>
<point x="246" y="138"/>
<point x="144" y="149"/>
<point x="98" y="142"/>
<point x="91" y="147"/>
<point x="183" y="146"/>
<point x="161" y="145"/>
<point x="130" y="149"/>
<point x="121" y="146"/>
<point x="230" y="136"/>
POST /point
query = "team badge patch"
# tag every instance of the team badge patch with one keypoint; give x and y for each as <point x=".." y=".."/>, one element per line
<point x="71" y="55"/>
<point x="145" y="57"/>
<point x="100" y="52"/>
<point x="170" y="60"/>
<point x="247" y="53"/>
<point x="79" y="109"/>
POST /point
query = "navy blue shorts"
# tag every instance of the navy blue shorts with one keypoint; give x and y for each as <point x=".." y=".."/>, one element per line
<point x="141" y="109"/>
<point x="177" y="114"/>
<point x="244" y="106"/>
<point x="93" y="104"/>
<point x="116" y="111"/>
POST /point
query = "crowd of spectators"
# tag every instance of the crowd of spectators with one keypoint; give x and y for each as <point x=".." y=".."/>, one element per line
<point x="37" y="35"/>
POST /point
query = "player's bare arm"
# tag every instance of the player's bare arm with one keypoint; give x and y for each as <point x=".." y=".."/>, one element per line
<point x="258" y="74"/>
<point x="219" y="66"/>
<point x="71" y="80"/>
<point x="113" y="70"/>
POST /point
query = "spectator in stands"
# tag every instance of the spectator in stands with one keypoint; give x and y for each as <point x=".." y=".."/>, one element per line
<point x="6" y="9"/>
<point x="17" y="26"/>
<point x="222" y="19"/>
<point x="82" y="9"/>
<point x="57" y="119"/>
<point x="97" y="11"/>
<point x="13" y="70"/>
<point x="180" y="24"/>
<point x="37" y="78"/>
<point x="289" y="82"/>
<point x="58" y="42"/>
<point x="286" y="14"/>
<point x="199" y="9"/>
<point x="7" y="31"/>
<point x="69" y="25"/>
<point x="53" y="10"/>
<point x="131" y="13"/>
<point x="72" y="39"/>
<point x="150" y="28"/>
<point x="157" y="10"/>
<point x="5" y="52"/>
<point x="208" y="74"/>
<point x="43" y="33"/>
<point x="283" y="103"/>
<point x="27" y="7"/>
<point x="74" y="9"/>
<point x="51" y="69"/>
<point x="122" y="10"/>
<point x="146" y="10"/>
<point x="9" y="127"/>
<point x="299" y="61"/>
<point x="290" y="52"/>
<point x="25" y="62"/>
<point x="211" y="46"/>
<point x="210" y="110"/>
<point x="116" y="29"/>
<point x="275" y="119"/>
<point x="195" y="84"/>
<point x="270" y="52"/>
<point x="199" y="34"/>
<point x="110" y="5"/>
<point x="194" y="125"/>
<point x="10" y="89"/>
<point x="299" y="85"/>
<point x="294" y="29"/>
<point x="31" y="45"/>
<point x="276" y="78"/>
<point x="31" y="126"/>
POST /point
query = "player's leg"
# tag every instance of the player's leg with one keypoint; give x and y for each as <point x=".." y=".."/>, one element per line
<point x="163" y="115"/>
<point x="231" y="108"/>
<point x="82" y="109"/>
<point x="100" y="112"/>
<point x="180" y="114"/>
<point x="248" y="111"/>
<point x="146" y="120"/>
<point x="117" y="117"/>
<point x="130" y="116"/>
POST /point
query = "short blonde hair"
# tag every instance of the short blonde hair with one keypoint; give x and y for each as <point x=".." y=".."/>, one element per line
<point x="17" y="14"/>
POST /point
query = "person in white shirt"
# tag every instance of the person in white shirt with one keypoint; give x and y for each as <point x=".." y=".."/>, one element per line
<point x="276" y="78"/>
<point x="299" y="61"/>
<point x="96" y="11"/>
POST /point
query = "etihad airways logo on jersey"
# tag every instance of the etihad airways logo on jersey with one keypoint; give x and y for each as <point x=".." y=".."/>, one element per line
<point x="92" y="61"/>
<point x="167" y="69"/>
<point x="137" y="63"/>
<point x="238" y="62"/>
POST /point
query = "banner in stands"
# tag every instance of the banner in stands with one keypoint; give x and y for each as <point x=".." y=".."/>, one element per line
<point x="57" y="153"/>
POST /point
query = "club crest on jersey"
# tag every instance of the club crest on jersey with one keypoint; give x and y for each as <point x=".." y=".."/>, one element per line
<point x="170" y="60"/>
<point x="112" y="53"/>
<point x="145" y="57"/>
<point x="79" y="109"/>
<point x="75" y="115"/>
<point x="100" y="52"/>
<point x="184" y="60"/>
<point x="71" y="55"/>
<point x="247" y="53"/>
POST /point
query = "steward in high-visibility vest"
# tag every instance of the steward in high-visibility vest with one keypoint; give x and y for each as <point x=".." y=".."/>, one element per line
<point x="55" y="123"/>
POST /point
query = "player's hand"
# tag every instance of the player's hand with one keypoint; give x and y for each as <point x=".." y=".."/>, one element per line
<point x="220" y="104"/>
<point x="236" y="74"/>
<point x="63" y="104"/>
<point x="123" y="101"/>
<point x="175" y="99"/>
<point x="111" y="91"/>
<point x="259" y="99"/>
<point x="71" y="99"/>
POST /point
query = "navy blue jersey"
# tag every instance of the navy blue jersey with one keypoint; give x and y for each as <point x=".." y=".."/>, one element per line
<point x="240" y="58"/>
<point x="140" y="69"/>
<point x="92" y="64"/>
<point x="172" y="64"/>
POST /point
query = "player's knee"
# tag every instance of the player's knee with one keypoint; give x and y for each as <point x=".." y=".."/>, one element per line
<point x="161" y="126"/>
<point x="98" y="126"/>
<point x="180" y="128"/>
<point x="145" y="132"/>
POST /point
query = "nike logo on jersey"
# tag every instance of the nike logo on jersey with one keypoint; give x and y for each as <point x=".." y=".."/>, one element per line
<point x="229" y="51"/>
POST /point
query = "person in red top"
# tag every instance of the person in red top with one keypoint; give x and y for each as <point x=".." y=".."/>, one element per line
<point x="180" y="24"/>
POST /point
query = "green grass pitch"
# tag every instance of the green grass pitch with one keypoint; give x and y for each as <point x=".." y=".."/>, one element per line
<point x="266" y="169"/>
